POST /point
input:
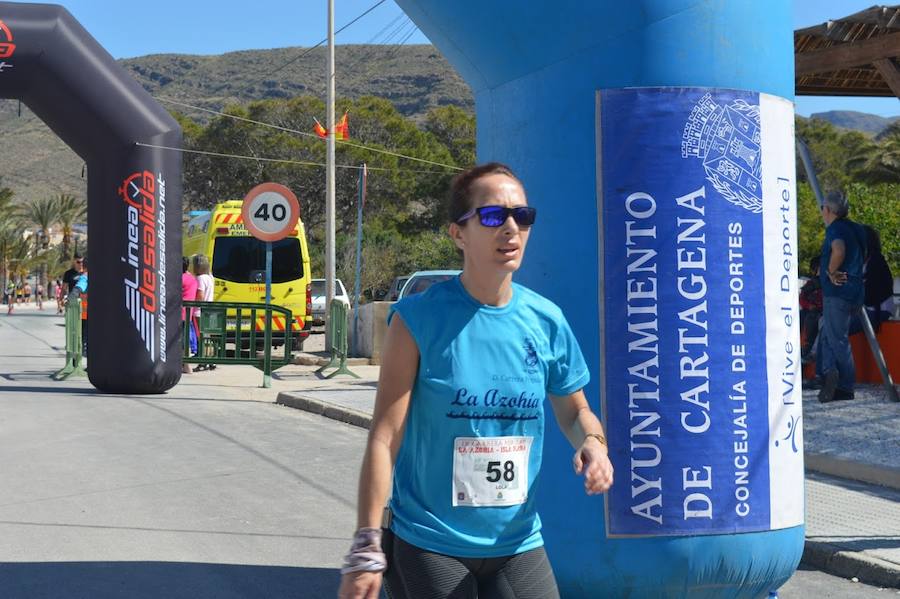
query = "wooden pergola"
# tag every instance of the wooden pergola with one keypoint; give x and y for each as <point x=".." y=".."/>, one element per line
<point x="853" y="56"/>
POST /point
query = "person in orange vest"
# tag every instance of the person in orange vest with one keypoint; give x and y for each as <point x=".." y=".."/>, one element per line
<point x="81" y="290"/>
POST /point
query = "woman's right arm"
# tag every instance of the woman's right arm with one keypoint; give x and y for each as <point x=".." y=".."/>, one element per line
<point x="400" y="362"/>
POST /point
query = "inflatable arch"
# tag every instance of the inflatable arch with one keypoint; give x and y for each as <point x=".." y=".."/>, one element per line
<point x="49" y="62"/>
<point x="655" y="138"/>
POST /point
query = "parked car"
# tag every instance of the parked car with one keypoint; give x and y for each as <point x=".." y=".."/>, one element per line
<point x="393" y="292"/>
<point x="317" y="291"/>
<point x="423" y="279"/>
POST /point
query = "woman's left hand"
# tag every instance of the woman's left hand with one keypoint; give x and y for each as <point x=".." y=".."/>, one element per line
<point x="592" y="460"/>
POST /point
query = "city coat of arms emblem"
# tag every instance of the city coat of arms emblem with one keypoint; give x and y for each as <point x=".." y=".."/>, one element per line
<point x="727" y="140"/>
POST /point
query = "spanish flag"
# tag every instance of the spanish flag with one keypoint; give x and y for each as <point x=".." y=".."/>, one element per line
<point x="319" y="130"/>
<point x="341" y="129"/>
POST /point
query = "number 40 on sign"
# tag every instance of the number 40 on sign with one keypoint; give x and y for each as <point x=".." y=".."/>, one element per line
<point x="270" y="211"/>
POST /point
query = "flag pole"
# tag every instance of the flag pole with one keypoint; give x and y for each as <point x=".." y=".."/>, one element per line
<point x="329" y="172"/>
<point x="360" y="201"/>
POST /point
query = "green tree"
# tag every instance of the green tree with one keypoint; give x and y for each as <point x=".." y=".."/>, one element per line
<point x="404" y="198"/>
<point x="810" y="228"/>
<point x="455" y="129"/>
<point x="69" y="211"/>
<point x="874" y="205"/>
<point x="43" y="214"/>
<point x="877" y="206"/>
<point x="8" y="231"/>
<point x="878" y="161"/>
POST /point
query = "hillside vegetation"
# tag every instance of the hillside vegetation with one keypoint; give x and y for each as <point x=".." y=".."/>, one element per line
<point x="866" y="168"/>
<point x="414" y="78"/>
<point x="858" y="121"/>
<point x="403" y="101"/>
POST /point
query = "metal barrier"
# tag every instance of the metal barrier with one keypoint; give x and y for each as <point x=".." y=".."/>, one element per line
<point x="337" y="337"/>
<point x="74" y="366"/>
<point x="237" y="333"/>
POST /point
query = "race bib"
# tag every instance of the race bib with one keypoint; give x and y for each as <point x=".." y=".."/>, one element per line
<point x="490" y="471"/>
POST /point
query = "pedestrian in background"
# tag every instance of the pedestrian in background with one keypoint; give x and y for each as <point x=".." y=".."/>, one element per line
<point x="59" y="296"/>
<point x="878" y="281"/>
<point x="189" y="293"/>
<point x="80" y="291"/>
<point x="811" y="304"/>
<point x="205" y="287"/>
<point x="843" y="254"/>
<point x="10" y="296"/>
<point x="71" y="275"/>
<point x="464" y="522"/>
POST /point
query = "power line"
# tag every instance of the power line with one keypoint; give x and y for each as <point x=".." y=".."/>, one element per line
<point x="311" y="48"/>
<point x="307" y="134"/>
<point x="380" y="39"/>
<point x="372" y="40"/>
<point x="396" y="32"/>
<point x="405" y="39"/>
<point x="282" y="160"/>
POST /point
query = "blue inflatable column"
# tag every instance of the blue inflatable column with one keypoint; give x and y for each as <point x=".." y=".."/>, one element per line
<point x="655" y="137"/>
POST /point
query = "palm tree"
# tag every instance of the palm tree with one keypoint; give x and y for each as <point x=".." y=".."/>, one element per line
<point x="6" y="195"/>
<point x="17" y="259"/>
<point x="69" y="210"/>
<point x="43" y="214"/>
<point x="8" y="236"/>
<point x="7" y="232"/>
<point x="879" y="160"/>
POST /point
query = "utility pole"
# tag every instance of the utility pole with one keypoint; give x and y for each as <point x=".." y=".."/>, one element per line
<point x="329" y="171"/>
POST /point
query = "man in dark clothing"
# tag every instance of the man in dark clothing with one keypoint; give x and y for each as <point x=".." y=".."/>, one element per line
<point x="877" y="281"/>
<point x="843" y="254"/>
<point x="71" y="275"/>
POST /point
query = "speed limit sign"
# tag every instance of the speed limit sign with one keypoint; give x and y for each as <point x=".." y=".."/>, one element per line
<point x="270" y="211"/>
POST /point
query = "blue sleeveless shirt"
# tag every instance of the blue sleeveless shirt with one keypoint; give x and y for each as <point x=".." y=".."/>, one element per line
<point x="471" y="452"/>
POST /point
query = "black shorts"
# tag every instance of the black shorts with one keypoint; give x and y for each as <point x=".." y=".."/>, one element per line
<point x="415" y="573"/>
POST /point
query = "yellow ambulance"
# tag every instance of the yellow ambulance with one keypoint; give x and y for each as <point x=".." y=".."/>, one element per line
<point x="238" y="266"/>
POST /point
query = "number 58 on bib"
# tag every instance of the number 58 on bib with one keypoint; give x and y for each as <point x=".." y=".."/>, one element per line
<point x="490" y="471"/>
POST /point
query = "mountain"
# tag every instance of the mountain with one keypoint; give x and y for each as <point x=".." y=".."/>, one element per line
<point x="415" y="78"/>
<point x="860" y="121"/>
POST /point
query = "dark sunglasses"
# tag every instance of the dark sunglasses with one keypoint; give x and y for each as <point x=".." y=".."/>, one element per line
<point x="495" y="216"/>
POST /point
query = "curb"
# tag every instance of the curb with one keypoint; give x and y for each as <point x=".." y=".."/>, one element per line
<point x="314" y="406"/>
<point x="850" y="564"/>
<point x="882" y="476"/>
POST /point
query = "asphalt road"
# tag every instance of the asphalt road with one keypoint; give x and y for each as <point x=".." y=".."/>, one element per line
<point x="201" y="493"/>
<point x="206" y="492"/>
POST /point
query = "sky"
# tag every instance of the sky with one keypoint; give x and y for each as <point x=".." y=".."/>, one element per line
<point x="127" y="29"/>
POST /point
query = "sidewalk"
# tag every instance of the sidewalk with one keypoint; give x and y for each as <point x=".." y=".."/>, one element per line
<point x="852" y="454"/>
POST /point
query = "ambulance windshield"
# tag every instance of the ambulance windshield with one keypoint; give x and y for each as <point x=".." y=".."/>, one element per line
<point x="242" y="259"/>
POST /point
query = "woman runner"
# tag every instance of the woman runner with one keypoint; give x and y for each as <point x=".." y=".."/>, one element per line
<point x="458" y="420"/>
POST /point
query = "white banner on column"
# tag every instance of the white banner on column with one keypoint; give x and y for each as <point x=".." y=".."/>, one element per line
<point x="783" y="364"/>
<point x="701" y="352"/>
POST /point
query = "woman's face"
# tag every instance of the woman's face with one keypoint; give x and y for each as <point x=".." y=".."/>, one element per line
<point x="493" y="248"/>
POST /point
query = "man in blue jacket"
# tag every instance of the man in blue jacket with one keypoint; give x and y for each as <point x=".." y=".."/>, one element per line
<point x="841" y="273"/>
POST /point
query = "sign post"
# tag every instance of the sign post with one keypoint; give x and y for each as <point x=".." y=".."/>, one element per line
<point x="270" y="212"/>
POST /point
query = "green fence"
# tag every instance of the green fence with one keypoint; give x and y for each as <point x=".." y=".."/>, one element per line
<point x="238" y="333"/>
<point x="337" y="336"/>
<point x="74" y="366"/>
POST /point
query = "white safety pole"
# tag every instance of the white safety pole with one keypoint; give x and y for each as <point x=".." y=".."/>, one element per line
<point x="803" y="150"/>
<point x="329" y="171"/>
